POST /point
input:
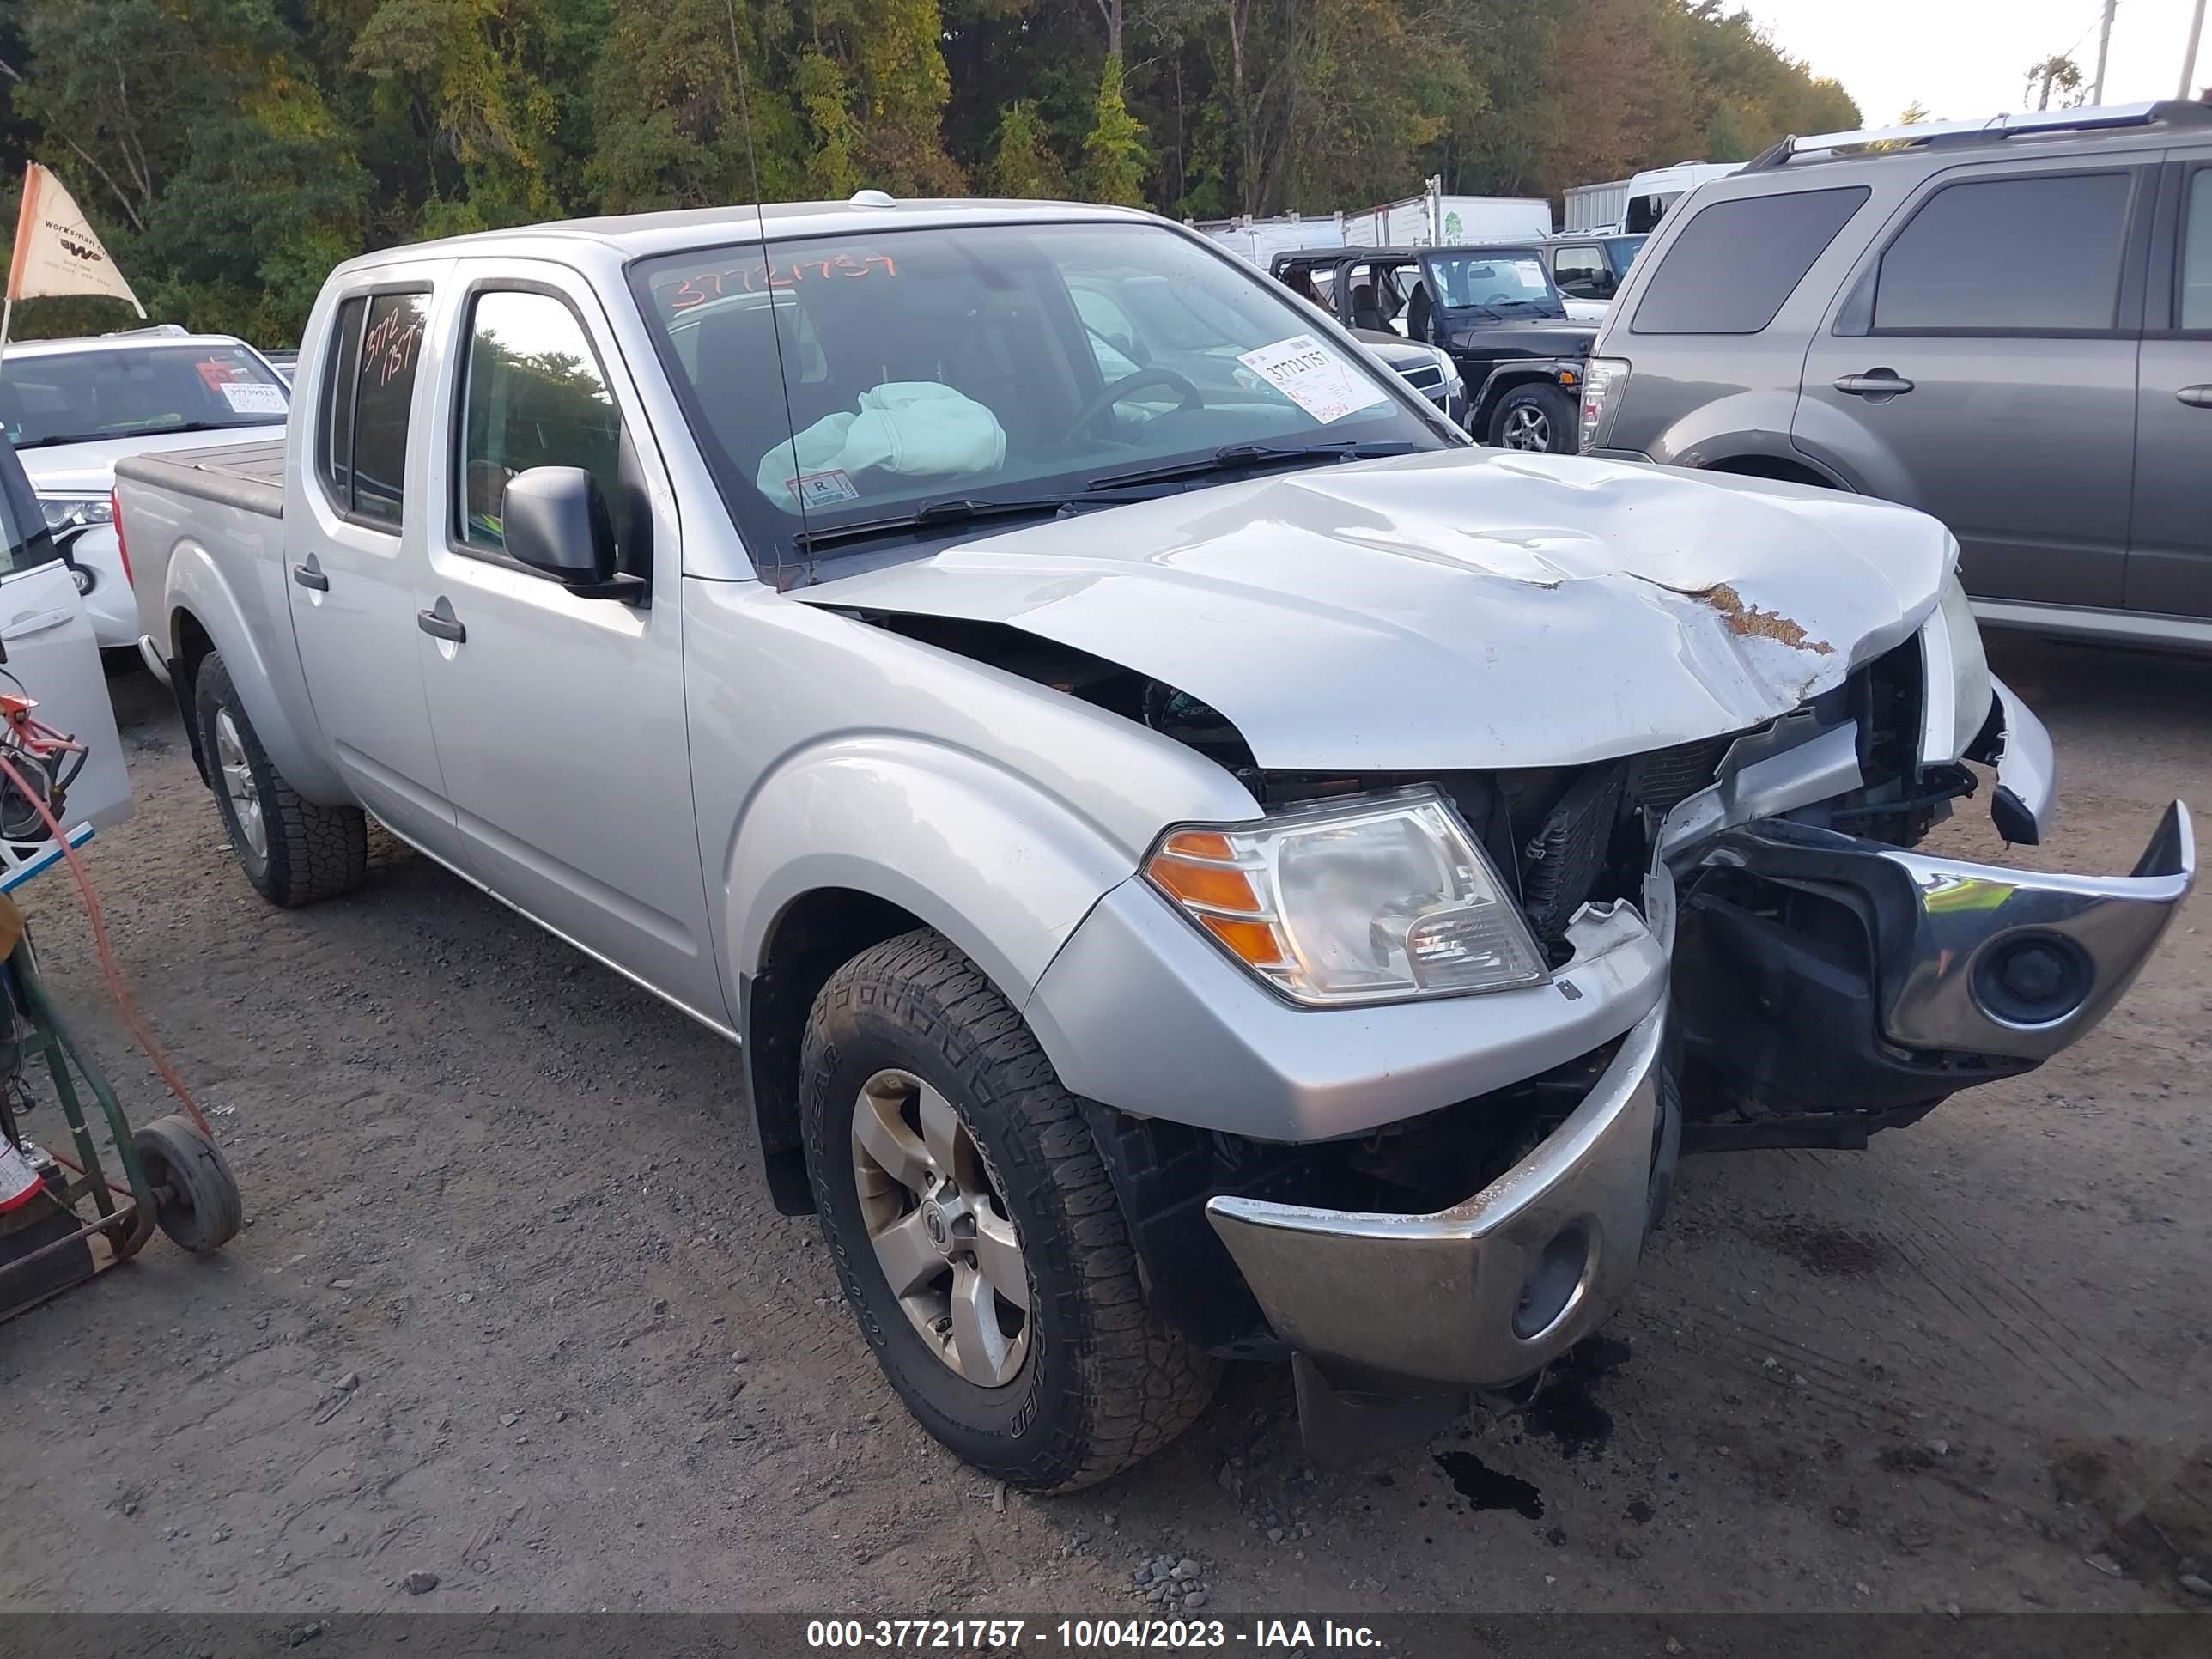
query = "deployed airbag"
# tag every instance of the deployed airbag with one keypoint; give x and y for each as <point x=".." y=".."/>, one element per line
<point x="915" y="428"/>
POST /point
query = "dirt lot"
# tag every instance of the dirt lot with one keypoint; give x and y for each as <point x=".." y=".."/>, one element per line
<point x="514" y="1309"/>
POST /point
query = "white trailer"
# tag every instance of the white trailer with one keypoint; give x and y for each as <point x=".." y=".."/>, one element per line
<point x="1260" y="240"/>
<point x="1595" y="209"/>
<point x="1433" y="218"/>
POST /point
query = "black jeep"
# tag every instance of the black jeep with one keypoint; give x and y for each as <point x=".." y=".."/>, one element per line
<point x="1494" y="307"/>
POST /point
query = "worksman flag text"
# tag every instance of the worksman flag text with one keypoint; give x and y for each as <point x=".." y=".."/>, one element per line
<point x="55" y="252"/>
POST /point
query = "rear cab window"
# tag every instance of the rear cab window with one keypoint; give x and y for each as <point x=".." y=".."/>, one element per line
<point x="135" y="390"/>
<point x="1730" y="270"/>
<point x="2024" y="254"/>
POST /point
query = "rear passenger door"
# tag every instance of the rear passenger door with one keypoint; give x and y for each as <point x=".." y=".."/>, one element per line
<point x="1980" y="364"/>
<point x="2170" y="546"/>
<point x="354" y="548"/>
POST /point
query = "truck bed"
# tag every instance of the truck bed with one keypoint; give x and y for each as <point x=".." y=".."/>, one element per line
<point x="247" y="477"/>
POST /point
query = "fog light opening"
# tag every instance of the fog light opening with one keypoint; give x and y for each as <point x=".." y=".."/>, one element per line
<point x="1549" y="1288"/>
<point x="2034" y="978"/>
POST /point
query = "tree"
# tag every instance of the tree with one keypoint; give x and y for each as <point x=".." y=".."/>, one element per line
<point x="229" y="151"/>
<point x="1114" y="152"/>
<point x="1022" y="163"/>
<point x="2060" y="73"/>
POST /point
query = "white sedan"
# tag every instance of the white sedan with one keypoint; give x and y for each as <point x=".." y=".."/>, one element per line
<point x="73" y="408"/>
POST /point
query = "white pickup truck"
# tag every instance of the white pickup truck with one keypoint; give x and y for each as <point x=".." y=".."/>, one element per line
<point x="1203" y="861"/>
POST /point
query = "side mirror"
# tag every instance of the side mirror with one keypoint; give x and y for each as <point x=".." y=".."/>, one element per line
<point x="555" y="521"/>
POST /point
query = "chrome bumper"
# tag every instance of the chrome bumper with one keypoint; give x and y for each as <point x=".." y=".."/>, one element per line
<point x="1488" y="1291"/>
<point x="150" y="654"/>
<point x="2019" y="963"/>
<point x="2025" y="809"/>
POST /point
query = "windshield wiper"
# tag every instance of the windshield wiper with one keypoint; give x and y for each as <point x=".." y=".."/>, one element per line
<point x="1231" y="458"/>
<point x="955" y="510"/>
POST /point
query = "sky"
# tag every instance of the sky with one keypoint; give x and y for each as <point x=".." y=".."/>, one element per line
<point x="1966" y="59"/>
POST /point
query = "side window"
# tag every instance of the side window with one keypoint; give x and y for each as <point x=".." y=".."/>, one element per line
<point x="1583" y="273"/>
<point x="361" y="451"/>
<point x="533" y="397"/>
<point x="2028" y="253"/>
<point x="391" y="352"/>
<point x="2196" y="298"/>
<point x="1735" y="264"/>
<point x="334" y="440"/>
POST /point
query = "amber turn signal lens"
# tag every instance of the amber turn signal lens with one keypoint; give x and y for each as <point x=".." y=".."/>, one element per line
<point x="1216" y="886"/>
<point x="1255" y="941"/>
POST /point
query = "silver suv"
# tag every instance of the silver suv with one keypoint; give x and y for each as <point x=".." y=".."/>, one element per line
<point x="2006" y="324"/>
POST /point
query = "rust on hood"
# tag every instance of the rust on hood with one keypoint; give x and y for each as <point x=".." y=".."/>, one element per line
<point x="1749" y="621"/>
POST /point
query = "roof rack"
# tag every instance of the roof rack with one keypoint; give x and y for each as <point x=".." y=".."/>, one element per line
<point x="2170" y="112"/>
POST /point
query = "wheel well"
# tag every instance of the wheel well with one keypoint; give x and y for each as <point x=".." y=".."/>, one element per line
<point x="1771" y="466"/>
<point x="1505" y="386"/>
<point x="817" y="933"/>
<point x="193" y="647"/>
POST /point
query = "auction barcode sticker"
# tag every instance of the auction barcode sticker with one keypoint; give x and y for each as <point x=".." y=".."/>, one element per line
<point x="252" y="397"/>
<point x="1314" y="377"/>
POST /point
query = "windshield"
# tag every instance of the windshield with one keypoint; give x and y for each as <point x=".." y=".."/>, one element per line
<point x="995" y="364"/>
<point x="1624" y="250"/>
<point x="74" y="397"/>
<point x="1511" y="281"/>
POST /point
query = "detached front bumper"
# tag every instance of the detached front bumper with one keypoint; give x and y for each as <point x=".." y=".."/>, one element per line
<point x="1487" y="1293"/>
<point x="1839" y="986"/>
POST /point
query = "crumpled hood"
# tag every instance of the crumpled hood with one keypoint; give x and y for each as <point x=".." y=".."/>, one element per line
<point x="1463" y="609"/>
<point x="89" y="468"/>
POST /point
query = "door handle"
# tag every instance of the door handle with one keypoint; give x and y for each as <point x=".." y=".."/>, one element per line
<point x="308" y="576"/>
<point x="2197" y="397"/>
<point x="1874" y="383"/>
<point x="35" y="622"/>
<point x="442" y="624"/>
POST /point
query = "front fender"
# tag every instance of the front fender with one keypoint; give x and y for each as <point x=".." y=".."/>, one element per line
<point x="999" y="868"/>
<point x="268" y="678"/>
<point x="1562" y="372"/>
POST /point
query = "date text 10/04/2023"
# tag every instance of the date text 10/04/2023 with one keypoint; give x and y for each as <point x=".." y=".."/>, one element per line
<point x="1007" y="1635"/>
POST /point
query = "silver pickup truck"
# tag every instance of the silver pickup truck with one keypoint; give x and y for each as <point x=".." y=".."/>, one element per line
<point x="1203" y="861"/>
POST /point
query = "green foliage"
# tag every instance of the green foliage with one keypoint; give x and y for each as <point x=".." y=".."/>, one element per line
<point x="1022" y="162"/>
<point x="1114" y="150"/>
<point x="230" y="151"/>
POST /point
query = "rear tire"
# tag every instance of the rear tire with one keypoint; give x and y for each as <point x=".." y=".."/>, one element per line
<point x="1536" y="418"/>
<point x="293" y="851"/>
<point x="1088" y="1381"/>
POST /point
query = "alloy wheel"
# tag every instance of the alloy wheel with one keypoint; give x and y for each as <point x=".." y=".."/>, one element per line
<point x="1526" y="427"/>
<point x="947" y="1249"/>
<point x="238" y="784"/>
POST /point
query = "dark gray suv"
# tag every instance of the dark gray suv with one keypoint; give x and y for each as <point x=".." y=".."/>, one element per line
<point x="2008" y="325"/>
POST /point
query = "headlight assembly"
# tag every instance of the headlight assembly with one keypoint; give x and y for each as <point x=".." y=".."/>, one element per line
<point x="61" y="511"/>
<point x="1956" y="677"/>
<point x="1375" y="899"/>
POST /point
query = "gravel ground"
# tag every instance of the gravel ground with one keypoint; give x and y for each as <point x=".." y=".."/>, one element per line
<point x="513" y="1311"/>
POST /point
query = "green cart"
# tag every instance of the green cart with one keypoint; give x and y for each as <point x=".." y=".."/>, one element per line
<point x="81" y="1220"/>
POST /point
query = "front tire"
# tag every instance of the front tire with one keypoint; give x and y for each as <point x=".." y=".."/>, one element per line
<point x="946" y="1155"/>
<point x="293" y="851"/>
<point x="1536" y="418"/>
